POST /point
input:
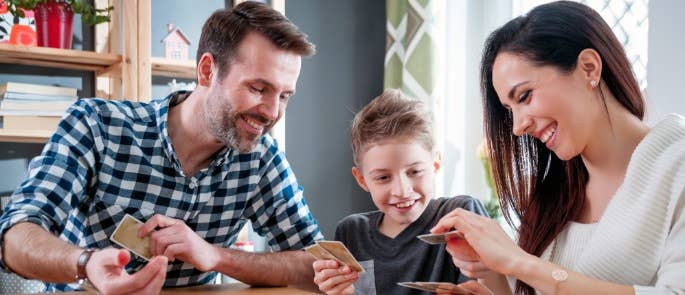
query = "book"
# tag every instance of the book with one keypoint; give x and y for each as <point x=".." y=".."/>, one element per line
<point x="30" y="122"/>
<point x="36" y="89"/>
<point x="37" y="97"/>
<point x="39" y="113"/>
<point x="34" y="105"/>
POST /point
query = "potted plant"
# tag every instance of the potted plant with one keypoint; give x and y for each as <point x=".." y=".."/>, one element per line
<point x="492" y="205"/>
<point x="54" y="18"/>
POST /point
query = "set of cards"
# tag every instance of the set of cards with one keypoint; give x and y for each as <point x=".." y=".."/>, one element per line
<point x="441" y="238"/>
<point x="334" y="250"/>
<point x="435" y="287"/>
<point x="126" y="235"/>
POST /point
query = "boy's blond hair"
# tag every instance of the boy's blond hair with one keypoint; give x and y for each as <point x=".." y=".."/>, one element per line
<point x="391" y="115"/>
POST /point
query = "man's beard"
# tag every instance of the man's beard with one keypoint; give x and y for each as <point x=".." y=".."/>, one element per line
<point x="222" y="123"/>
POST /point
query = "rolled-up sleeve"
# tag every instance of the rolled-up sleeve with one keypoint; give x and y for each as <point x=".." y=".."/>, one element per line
<point x="57" y="178"/>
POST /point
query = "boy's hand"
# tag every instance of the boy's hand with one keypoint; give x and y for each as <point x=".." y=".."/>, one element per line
<point x="333" y="278"/>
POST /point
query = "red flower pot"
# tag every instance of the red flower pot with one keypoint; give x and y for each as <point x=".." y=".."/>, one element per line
<point x="53" y="24"/>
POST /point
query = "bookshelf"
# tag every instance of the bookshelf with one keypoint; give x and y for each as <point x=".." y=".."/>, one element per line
<point x="173" y="68"/>
<point x="122" y="60"/>
<point x="25" y="136"/>
<point x="57" y="58"/>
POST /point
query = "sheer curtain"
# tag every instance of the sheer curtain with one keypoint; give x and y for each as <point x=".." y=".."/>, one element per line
<point x="411" y="57"/>
<point x="432" y="54"/>
<point x="463" y="27"/>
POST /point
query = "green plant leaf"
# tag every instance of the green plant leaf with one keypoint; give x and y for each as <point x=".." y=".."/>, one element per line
<point x="89" y="15"/>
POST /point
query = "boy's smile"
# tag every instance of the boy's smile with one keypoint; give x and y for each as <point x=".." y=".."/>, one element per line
<point x="399" y="174"/>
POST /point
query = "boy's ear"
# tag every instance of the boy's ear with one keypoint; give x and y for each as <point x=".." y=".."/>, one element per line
<point x="590" y="65"/>
<point x="205" y="69"/>
<point x="437" y="161"/>
<point x="359" y="178"/>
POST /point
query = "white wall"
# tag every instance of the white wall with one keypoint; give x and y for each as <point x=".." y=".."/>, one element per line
<point x="666" y="59"/>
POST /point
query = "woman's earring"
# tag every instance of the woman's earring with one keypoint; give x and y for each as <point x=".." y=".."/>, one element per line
<point x="593" y="83"/>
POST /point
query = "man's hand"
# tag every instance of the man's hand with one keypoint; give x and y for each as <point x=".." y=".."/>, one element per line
<point x="175" y="240"/>
<point x="106" y="272"/>
<point x="334" y="279"/>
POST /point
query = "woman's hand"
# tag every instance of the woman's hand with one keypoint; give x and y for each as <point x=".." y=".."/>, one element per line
<point x="487" y="245"/>
<point x="474" y="287"/>
<point x="466" y="259"/>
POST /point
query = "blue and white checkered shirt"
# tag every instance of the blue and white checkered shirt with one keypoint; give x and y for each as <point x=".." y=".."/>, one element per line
<point x="109" y="158"/>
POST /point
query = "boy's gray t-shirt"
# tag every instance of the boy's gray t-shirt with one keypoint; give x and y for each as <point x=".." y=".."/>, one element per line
<point x="405" y="258"/>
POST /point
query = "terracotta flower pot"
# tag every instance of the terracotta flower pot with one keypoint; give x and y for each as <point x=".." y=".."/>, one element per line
<point x="54" y="24"/>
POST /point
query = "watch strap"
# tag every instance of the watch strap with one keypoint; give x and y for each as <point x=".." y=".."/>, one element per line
<point x="82" y="262"/>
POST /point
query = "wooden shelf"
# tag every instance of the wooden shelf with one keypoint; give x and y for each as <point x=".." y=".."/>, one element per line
<point x="57" y="58"/>
<point x="173" y="68"/>
<point x="28" y="136"/>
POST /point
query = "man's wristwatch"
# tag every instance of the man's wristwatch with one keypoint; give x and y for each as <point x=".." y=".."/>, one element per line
<point x="81" y="275"/>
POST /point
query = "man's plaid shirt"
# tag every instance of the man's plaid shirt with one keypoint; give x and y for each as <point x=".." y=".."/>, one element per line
<point x="110" y="158"/>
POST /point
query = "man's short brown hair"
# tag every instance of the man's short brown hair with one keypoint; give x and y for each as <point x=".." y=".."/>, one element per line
<point x="391" y="115"/>
<point x="225" y="29"/>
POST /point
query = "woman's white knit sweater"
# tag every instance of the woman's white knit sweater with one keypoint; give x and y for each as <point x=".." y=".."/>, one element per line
<point x="640" y="239"/>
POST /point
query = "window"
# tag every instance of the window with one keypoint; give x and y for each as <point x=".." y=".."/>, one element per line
<point x="463" y="27"/>
<point x="176" y="54"/>
<point x="629" y="20"/>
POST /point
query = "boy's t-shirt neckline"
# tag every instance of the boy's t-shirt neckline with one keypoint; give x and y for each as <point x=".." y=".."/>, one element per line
<point x="410" y="232"/>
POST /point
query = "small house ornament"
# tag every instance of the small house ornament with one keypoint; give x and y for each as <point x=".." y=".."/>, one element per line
<point x="175" y="43"/>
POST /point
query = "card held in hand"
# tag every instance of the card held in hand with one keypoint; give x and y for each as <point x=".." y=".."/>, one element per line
<point x="126" y="235"/>
<point x="436" y="287"/>
<point x="320" y="253"/>
<point x="334" y="250"/>
<point x="341" y="252"/>
<point x="441" y="238"/>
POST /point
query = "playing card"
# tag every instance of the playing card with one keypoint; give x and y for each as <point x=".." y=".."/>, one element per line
<point x="341" y="252"/>
<point x="320" y="253"/>
<point x="126" y="235"/>
<point x="334" y="250"/>
<point x="435" y="287"/>
<point x="441" y="238"/>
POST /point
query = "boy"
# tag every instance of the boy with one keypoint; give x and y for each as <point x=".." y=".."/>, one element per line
<point x="392" y="144"/>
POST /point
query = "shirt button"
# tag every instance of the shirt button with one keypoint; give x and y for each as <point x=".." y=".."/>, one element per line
<point x="192" y="185"/>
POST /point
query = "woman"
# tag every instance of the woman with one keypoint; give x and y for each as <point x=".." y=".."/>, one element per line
<point x="600" y="195"/>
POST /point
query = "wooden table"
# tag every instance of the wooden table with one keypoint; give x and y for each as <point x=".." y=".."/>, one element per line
<point x="236" y="288"/>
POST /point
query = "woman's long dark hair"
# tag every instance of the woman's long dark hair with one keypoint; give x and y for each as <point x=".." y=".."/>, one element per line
<point x="553" y="34"/>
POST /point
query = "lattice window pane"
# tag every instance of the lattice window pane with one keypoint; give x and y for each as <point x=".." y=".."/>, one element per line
<point x="629" y="20"/>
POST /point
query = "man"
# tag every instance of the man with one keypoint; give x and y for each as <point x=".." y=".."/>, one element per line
<point x="194" y="166"/>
